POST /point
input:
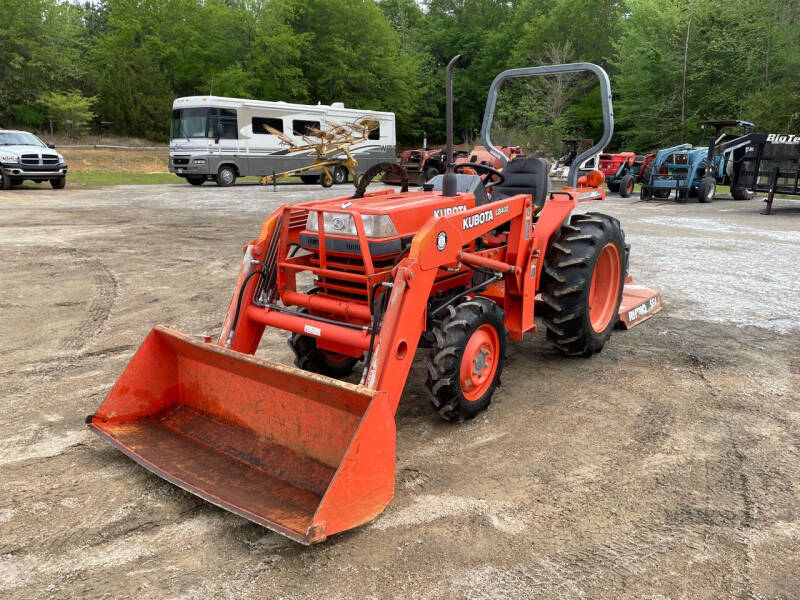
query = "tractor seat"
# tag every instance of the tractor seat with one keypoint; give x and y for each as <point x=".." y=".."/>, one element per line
<point x="524" y="175"/>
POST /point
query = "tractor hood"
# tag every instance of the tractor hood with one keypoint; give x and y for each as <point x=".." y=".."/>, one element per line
<point x="408" y="212"/>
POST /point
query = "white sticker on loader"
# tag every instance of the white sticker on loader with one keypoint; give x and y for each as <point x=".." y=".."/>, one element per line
<point x="311" y="330"/>
<point x="479" y="219"/>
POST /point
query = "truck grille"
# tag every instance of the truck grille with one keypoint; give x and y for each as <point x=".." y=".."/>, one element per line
<point x="180" y="161"/>
<point x="38" y="159"/>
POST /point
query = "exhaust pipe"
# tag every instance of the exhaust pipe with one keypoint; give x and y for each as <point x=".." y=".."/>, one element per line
<point x="450" y="182"/>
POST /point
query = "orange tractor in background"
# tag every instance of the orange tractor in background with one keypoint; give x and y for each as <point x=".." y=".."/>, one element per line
<point x="458" y="269"/>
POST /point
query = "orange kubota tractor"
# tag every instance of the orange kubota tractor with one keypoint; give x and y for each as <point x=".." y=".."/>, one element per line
<point x="455" y="267"/>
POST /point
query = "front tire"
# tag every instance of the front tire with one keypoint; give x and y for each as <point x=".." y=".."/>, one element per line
<point x="582" y="283"/>
<point x="310" y="358"/>
<point x="626" y="186"/>
<point x="226" y="176"/>
<point x="5" y="182"/>
<point x="707" y="190"/>
<point x="466" y="359"/>
<point x="59" y="183"/>
<point x="196" y="180"/>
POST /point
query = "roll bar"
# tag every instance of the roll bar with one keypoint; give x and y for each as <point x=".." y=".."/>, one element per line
<point x="605" y="95"/>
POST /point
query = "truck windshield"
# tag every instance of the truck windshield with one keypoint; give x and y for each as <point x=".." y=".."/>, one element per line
<point x="202" y="123"/>
<point x="19" y="138"/>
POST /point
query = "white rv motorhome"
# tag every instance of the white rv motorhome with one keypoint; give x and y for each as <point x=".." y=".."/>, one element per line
<point x="225" y="138"/>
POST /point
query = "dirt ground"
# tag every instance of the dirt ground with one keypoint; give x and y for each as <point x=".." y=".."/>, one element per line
<point x="666" y="467"/>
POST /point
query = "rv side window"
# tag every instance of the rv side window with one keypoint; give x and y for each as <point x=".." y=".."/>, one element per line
<point x="375" y="134"/>
<point x="226" y="116"/>
<point x="300" y="127"/>
<point x="260" y="123"/>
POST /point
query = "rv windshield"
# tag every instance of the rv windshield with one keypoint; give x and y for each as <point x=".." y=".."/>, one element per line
<point x="202" y="122"/>
<point x="189" y="122"/>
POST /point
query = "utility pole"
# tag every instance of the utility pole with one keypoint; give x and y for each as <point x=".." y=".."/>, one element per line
<point x="685" y="66"/>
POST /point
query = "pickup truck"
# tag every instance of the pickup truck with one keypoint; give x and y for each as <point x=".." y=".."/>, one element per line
<point x="24" y="156"/>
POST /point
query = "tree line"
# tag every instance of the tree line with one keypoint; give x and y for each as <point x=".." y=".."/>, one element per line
<point x="118" y="64"/>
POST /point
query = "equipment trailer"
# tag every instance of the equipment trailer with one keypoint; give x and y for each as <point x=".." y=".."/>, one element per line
<point x="762" y="162"/>
<point x="456" y="267"/>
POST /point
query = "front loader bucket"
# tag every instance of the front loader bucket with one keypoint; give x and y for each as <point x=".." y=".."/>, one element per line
<point x="302" y="454"/>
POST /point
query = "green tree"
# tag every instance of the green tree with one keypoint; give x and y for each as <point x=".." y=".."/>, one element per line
<point x="70" y="111"/>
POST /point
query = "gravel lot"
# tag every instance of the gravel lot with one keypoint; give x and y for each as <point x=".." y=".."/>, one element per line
<point x="666" y="467"/>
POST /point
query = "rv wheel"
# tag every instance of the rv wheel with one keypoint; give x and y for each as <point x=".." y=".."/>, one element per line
<point x="226" y="176"/>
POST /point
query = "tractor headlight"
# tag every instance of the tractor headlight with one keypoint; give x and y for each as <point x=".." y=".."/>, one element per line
<point x="378" y="226"/>
<point x="375" y="226"/>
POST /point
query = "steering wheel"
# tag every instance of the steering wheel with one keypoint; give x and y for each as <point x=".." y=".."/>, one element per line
<point x="490" y="176"/>
<point x="363" y="180"/>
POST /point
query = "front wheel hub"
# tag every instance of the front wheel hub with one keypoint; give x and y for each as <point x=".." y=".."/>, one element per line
<point x="479" y="362"/>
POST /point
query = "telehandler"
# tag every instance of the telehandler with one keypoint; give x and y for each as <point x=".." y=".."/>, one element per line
<point x="455" y="267"/>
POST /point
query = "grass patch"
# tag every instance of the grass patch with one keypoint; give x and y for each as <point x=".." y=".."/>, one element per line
<point x="93" y="179"/>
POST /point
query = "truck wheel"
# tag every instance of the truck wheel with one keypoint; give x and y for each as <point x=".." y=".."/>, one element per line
<point x="430" y="173"/>
<point x="626" y="186"/>
<point x="226" y="176"/>
<point x="196" y="179"/>
<point x="5" y="182"/>
<point x="707" y="189"/>
<point x="59" y="183"/>
<point x="584" y="274"/>
<point x="339" y="175"/>
<point x="466" y="359"/>
<point x="310" y="358"/>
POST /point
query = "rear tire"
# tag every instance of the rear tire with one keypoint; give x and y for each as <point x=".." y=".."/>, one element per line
<point x="707" y="190"/>
<point x="626" y="186"/>
<point x="196" y="180"/>
<point x="584" y="274"/>
<point x="5" y="182"/>
<point x="310" y="358"/>
<point x="466" y="359"/>
<point x="226" y="176"/>
<point x="59" y="183"/>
